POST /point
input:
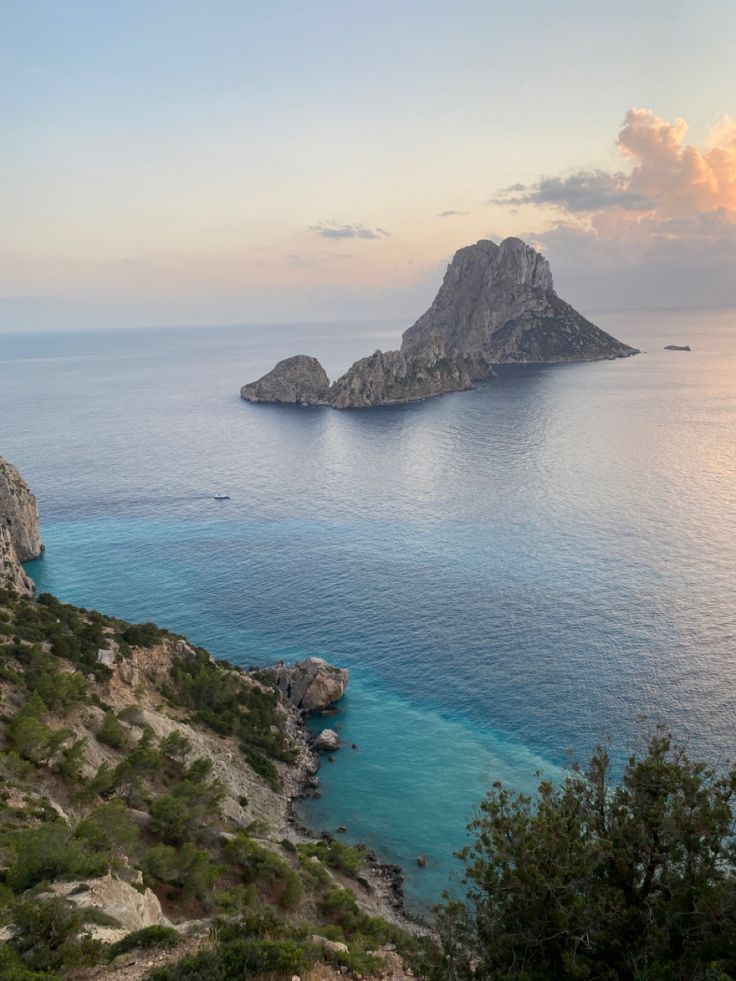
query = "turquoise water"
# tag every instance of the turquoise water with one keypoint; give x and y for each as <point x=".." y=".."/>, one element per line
<point x="508" y="573"/>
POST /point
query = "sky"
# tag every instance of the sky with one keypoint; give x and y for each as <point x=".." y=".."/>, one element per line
<point x="179" y="162"/>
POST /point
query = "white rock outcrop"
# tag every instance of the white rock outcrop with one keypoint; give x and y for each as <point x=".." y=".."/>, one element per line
<point x="133" y="910"/>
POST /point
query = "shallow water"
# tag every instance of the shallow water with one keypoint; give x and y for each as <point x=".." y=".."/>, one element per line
<point x="508" y="573"/>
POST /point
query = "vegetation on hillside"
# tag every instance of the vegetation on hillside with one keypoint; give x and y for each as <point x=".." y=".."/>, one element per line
<point x="151" y="812"/>
<point x="592" y="878"/>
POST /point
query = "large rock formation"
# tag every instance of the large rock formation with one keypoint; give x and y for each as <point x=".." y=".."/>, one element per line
<point x="299" y="379"/>
<point x="19" y="535"/>
<point x="388" y="377"/>
<point x="500" y="301"/>
<point x="497" y="304"/>
<point x="311" y="684"/>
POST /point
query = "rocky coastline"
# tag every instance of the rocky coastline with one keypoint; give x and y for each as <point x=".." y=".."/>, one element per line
<point x="311" y="688"/>
<point x="143" y="739"/>
<point x="497" y="305"/>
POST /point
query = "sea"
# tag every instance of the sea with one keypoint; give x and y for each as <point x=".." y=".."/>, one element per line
<point x="510" y="574"/>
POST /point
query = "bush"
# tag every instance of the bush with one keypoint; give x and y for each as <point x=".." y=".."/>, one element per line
<point x="49" y="852"/>
<point x="589" y="880"/>
<point x="44" y="931"/>
<point x="112" y="733"/>
<point x="152" y="936"/>
<point x="241" y="959"/>
<point x="110" y="830"/>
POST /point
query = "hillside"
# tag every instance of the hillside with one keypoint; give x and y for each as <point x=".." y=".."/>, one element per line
<point x="145" y="815"/>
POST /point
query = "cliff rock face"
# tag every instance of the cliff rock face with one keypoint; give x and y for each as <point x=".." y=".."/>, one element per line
<point x="388" y="377"/>
<point x="311" y="684"/>
<point x="19" y="535"/>
<point x="299" y="379"/>
<point x="499" y="301"/>
<point x="497" y="304"/>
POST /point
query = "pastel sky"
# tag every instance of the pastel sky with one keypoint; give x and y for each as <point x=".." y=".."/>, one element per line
<point x="172" y="161"/>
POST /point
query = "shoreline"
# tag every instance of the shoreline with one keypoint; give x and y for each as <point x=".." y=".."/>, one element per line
<point x="383" y="881"/>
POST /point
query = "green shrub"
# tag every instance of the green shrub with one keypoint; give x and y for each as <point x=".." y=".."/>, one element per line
<point x="642" y="869"/>
<point x="188" y="868"/>
<point x="29" y="735"/>
<point x="112" y="733"/>
<point x="49" y="852"/>
<point x="110" y="830"/>
<point x="152" y="936"/>
<point x="242" y="959"/>
<point x="13" y="969"/>
<point x="171" y="818"/>
<point x="45" y="929"/>
<point x="175" y="746"/>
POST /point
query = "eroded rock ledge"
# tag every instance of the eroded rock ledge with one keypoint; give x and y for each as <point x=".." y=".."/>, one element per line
<point x="497" y="304"/>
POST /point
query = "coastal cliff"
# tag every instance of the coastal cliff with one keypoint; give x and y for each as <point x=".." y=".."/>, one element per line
<point x="497" y="304"/>
<point x="147" y="804"/>
<point x="20" y="539"/>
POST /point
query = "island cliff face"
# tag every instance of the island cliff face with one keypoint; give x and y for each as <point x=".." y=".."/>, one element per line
<point x="19" y="535"/>
<point x="497" y="304"/>
<point x="500" y="301"/>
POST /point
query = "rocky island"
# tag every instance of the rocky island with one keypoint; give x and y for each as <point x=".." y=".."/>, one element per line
<point x="497" y="305"/>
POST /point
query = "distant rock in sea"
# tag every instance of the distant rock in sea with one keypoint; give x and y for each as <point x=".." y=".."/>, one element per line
<point x="19" y="535"/>
<point x="677" y="347"/>
<point x="497" y="304"/>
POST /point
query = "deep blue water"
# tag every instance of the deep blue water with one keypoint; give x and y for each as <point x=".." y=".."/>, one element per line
<point x="508" y="573"/>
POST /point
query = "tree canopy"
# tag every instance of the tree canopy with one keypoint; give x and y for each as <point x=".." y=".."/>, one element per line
<point x="632" y="879"/>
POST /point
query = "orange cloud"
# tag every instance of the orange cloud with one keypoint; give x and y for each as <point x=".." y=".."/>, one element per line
<point x="662" y="232"/>
<point x="680" y="178"/>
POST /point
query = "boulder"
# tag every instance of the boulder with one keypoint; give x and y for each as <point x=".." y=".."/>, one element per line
<point x="327" y="741"/>
<point x="133" y="910"/>
<point x="310" y="685"/>
<point x="106" y="655"/>
<point x="329" y="946"/>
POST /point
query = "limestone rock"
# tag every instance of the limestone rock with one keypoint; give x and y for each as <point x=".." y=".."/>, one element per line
<point x="330" y="946"/>
<point x="311" y="684"/>
<point x="298" y="379"/>
<point x="497" y="304"/>
<point x="327" y="741"/>
<point x="106" y="655"/>
<point x="19" y="534"/>
<point x="132" y="909"/>
<point x="499" y="301"/>
<point x="391" y="377"/>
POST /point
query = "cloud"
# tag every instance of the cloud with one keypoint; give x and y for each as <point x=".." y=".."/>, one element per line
<point x="668" y="223"/>
<point x="451" y="213"/>
<point x="583" y="191"/>
<point x="331" y="229"/>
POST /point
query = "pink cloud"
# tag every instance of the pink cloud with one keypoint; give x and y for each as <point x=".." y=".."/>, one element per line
<point x="678" y="177"/>
<point x="667" y="224"/>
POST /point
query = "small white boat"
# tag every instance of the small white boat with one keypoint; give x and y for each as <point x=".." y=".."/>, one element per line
<point x="222" y="497"/>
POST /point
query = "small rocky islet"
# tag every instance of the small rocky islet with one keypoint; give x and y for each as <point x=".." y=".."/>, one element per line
<point x="497" y="305"/>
